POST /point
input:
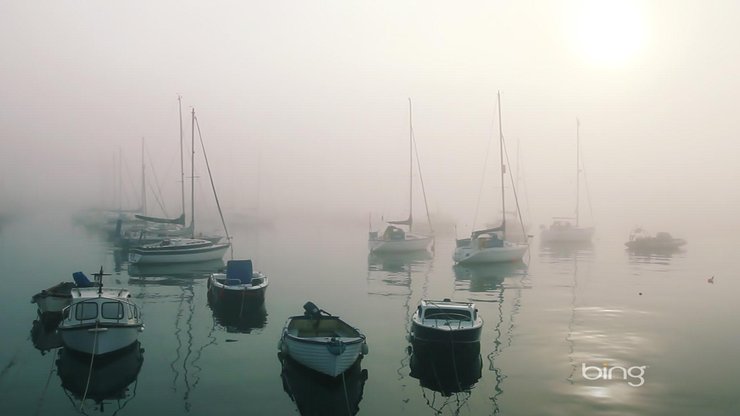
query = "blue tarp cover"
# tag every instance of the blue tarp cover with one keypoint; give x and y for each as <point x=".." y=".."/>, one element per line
<point x="240" y="270"/>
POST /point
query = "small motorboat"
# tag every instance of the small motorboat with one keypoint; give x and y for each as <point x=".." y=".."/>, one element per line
<point x="642" y="240"/>
<point x="100" y="320"/>
<point x="239" y="287"/>
<point x="51" y="301"/>
<point x="446" y="321"/>
<point x="321" y="341"/>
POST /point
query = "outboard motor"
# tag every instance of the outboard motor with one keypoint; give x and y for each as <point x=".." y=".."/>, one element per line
<point x="311" y="310"/>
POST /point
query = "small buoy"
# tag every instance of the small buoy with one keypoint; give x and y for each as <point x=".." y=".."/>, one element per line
<point x="640" y="293"/>
<point x="364" y="349"/>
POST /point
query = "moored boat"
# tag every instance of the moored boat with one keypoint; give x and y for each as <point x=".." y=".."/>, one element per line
<point x="178" y="250"/>
<point x="321" y="341"/>
<point x="642" y="240"/>
<point x="239" y="286"/>
<point x="51" y="301"/>
<point x="446" y="321"/>
<point x="100" y="320"/>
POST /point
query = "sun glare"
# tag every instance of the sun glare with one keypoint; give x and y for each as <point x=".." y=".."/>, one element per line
<point x="609" y="32"/>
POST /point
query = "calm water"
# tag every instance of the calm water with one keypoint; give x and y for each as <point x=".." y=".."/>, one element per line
<point x="571" y="306"/>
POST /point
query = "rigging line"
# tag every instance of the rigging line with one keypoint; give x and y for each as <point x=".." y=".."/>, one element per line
<point x="421" y="179"/>
<point x="158" y="193"/>
<point x="516" y="198"/>
<point x="483" y="177"/>
<point x="213" y="186"/>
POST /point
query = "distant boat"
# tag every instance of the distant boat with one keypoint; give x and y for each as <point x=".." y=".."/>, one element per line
<point x="100" y="320"/>
<point x="395" y="239"/>
<point x="321" y="341"/>
<point x="240" y="287"/>
<point x="490" y="245"/>
<point x="446" y="321"/>
<point x="642" y="240"/>
<point x="567" y="229"/>
<point x="182" y="250"/>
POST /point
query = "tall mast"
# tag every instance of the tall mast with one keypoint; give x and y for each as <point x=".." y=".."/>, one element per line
<point x="143" y="179"/>
<point x="503" y="167"/>
<point x="192" y="176"/>
<point x="182" y="166"/>
<point x="120" y="180"/>
<point x="578" y="168"/>
<point x="411" y="167"/>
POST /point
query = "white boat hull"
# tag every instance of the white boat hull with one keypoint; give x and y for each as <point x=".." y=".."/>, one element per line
<point x="315" y="355"/>
<point x="509" y="252"/>
<point x="213" y="253"/>
<point x="567" y="235"/>
<point x="53" y="304"/>
<point x="99" y="340"/>
<point x="410" y="244"/>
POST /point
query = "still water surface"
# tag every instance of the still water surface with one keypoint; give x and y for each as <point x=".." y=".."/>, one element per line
<point x="565" y="308"/>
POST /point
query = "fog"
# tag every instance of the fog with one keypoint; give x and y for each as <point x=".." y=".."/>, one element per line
<point x="303" y="107"/>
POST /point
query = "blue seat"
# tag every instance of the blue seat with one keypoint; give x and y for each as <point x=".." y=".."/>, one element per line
<point x="240" y="270"/>
<point x="81" y="280"/>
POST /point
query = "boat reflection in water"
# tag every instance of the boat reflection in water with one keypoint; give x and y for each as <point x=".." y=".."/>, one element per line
<point x="111" y="377"/>
<point x="158" y="273"/>
<point x="397" y="262"/>
<point x="559" y="251"/>
<point x="487" y="277"/>
<point x="449" y="370"/>
<point x="44" y="335"/>
<point x="242" y="318"/>
<point x="318" y="394"/>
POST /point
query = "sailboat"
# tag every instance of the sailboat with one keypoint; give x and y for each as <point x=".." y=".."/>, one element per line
<point x="181" y="250"/>
<point x="490" y="245"/>
<point x="567" y="229"/>
<point x="395" y="239"/>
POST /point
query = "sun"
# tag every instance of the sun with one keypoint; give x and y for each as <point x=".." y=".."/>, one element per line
<point x="608" y="32"/>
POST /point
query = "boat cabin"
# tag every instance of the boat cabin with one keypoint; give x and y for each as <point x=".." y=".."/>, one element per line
<point x="106" y="305"/>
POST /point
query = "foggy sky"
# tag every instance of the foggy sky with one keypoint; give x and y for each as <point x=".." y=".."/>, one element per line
<point x="303" y="105"/>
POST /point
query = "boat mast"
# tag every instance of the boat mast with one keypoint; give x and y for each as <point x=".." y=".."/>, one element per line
<point x="182" y="167"/>
<point x="503" y="167"/>
<point x="143" y="179"/>
<point x="192" y="176"/>
<point x="578" y="168"/>
<point x="411" y="167"/>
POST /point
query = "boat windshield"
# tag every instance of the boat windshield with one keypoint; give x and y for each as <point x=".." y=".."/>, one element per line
<point x="447" y="314"/>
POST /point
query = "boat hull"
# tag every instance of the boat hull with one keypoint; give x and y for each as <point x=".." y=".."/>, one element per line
<point x="415" y="243"/>
<point x="216" y="252"/>
<point x="469" y="255"/>
<point x="99" y="340"/>
<point x="237" y="295"/>
<point x="315" y="354"/>
<point x="423" y="333"/>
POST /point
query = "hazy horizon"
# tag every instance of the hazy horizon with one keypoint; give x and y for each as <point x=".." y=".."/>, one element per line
<point x="304" y="107"/>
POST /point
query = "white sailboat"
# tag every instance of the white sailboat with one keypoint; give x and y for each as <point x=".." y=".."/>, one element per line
<point x="182" y="250"/>
<point x="569" y="229"/>
<point x="490" y="245"/>
<point x="395" y="239"/>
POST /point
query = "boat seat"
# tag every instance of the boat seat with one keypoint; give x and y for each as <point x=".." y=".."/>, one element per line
<point x="239" y="270"/>
<point x="81" y="280"/>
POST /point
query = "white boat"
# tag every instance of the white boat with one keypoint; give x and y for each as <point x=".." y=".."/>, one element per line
<point x="490" y="245"/>
<point x="394" y="239"/>
<point x="446" y="321"/>
<point x="182" y="250"/>
<point x="100" y="320"/>
<point x="51" y="301"/>
<point x="178" y="250"/>
<point x="566" y="229"/>
<point x="642" y="240"/>
<point x="240" y="287"/>
<point x="322" y="342"/>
